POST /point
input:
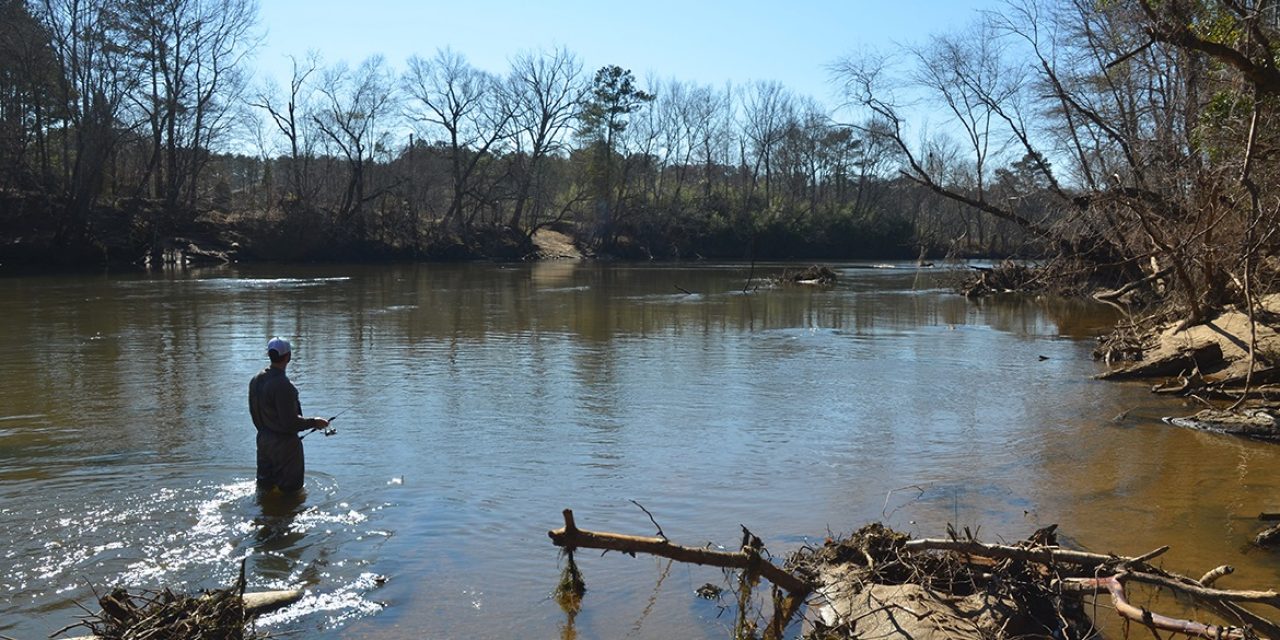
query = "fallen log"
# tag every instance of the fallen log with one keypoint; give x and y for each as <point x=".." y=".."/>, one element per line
<point x="571" y="537"/>
<point x="1250" y="423"/>
<point x="1215" y="574"/>
<point x="1112" y="296"/>
<point x="264" y="601"/>
<point x="1055" y="555"/>
<point x="1268" y="536"/>
<point x="1223" y="601"/>
<point x="1226" y="602"/>
<point x="862" y="580"/>
<point x="1189" y="587"/>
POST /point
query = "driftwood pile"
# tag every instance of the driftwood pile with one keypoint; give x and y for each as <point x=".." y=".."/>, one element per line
<point x="880" y="583"/>
<point x="814" y="276"/>
<point x="163" y="615"/>
<point x="220" y="614"/>
<point x="1006" y="277"/>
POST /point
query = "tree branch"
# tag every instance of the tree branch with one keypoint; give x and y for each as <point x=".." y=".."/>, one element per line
<point x="570" y="537"/>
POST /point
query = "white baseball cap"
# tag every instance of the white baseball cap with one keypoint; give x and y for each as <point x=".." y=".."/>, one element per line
<point x="280" y="346"/>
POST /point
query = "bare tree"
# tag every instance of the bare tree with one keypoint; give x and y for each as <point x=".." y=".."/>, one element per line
<point x="546" y="89"/>
<point x="29" y="90"/>
<point x="866" y="83"/>
<point x="289" y="113"/>
<point x="711" y="116"/>
<point x="449" y="96"/>
<point x="353" y="106"/>
<point x="965" y="72"/>
<point x="1122" y="103"/>
<point x="767" y="110"/>
<point x="190" y="53"/>
<point x="224" y="40"/>
<point x="96" y="77"/>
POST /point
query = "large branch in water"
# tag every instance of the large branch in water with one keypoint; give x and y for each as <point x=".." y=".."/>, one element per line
<point x="1114" y="585"/>
<point x="1043" y="555"/>
<point x="1108" y="296"/>
<point x="1225" y="602"/>
<point x="572" y="537"/>
<point x="921" y="177"/>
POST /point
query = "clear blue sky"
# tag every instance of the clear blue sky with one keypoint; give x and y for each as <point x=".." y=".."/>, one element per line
<point x="707" y="42"/>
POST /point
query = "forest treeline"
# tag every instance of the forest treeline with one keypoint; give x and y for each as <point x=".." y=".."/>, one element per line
<point x="1132" y="141"/>
<point x="126" y="121"/>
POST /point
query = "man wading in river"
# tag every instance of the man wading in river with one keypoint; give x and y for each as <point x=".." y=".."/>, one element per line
<point x="273" y="403"/>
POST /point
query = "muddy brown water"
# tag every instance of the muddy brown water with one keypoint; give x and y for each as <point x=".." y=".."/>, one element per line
<point x="484" y="399"/>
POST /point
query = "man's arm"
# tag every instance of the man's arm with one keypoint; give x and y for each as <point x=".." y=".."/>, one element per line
<point x="254" y="409"/>
<point x="290" y="411"/>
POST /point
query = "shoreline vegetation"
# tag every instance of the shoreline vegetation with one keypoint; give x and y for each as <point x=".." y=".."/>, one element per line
<point x="125" y="234"/>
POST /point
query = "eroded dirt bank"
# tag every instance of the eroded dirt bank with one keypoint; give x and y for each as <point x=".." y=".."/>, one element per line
<point x="1228" y="363"/>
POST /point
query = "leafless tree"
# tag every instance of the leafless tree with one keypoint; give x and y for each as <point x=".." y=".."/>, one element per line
<point x="767" y="108"/>
<point x="96" y="78"/>
<point x="190" y="52"/>
<point x="289" y="115"/>
<point x="448" y="96"/>
<point x="353" y="105"/>
<point x="547" y="89"/>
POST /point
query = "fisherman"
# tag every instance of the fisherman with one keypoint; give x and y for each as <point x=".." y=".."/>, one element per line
<point x="276" y="412"/>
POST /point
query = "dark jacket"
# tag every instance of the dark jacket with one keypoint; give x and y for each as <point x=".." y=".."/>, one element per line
<point x="273" y="403"/>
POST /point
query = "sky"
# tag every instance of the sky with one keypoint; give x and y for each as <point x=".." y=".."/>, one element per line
<point x="708" y="42"/>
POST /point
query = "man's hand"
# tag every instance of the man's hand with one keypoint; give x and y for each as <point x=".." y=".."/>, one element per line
<point x="319" y="423"/>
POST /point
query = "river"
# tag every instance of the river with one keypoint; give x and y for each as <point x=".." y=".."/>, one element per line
<point x="477" y="401"/>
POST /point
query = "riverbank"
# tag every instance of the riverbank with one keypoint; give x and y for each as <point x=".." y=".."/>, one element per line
<point x="40" y="230"/>
<point x="1227" y="363"/>
<point x="884" y="583"/>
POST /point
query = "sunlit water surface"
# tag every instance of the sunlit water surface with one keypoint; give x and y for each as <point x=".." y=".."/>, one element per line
<point x="478" y="401"/>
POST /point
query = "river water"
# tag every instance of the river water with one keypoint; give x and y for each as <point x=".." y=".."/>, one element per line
<point x="481" y="400"/>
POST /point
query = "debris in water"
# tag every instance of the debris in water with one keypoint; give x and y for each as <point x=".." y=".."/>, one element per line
<point x="814" y="275"/>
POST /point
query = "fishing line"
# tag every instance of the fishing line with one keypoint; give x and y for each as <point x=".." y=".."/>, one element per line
<point x="328" y="431"/>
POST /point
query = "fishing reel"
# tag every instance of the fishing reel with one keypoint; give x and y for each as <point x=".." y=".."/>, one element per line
<point x="328" y="431"/>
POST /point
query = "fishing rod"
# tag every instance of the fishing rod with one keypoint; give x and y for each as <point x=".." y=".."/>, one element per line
<point x="328" y="431"/>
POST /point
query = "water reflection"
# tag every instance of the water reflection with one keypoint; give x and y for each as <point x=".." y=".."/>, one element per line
<point x="277" y="540"/>
<point x="484" y="399"/>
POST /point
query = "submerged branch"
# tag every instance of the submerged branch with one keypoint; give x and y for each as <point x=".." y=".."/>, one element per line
<point x="570" y="537"/>
<point x="1114" y="586"/>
